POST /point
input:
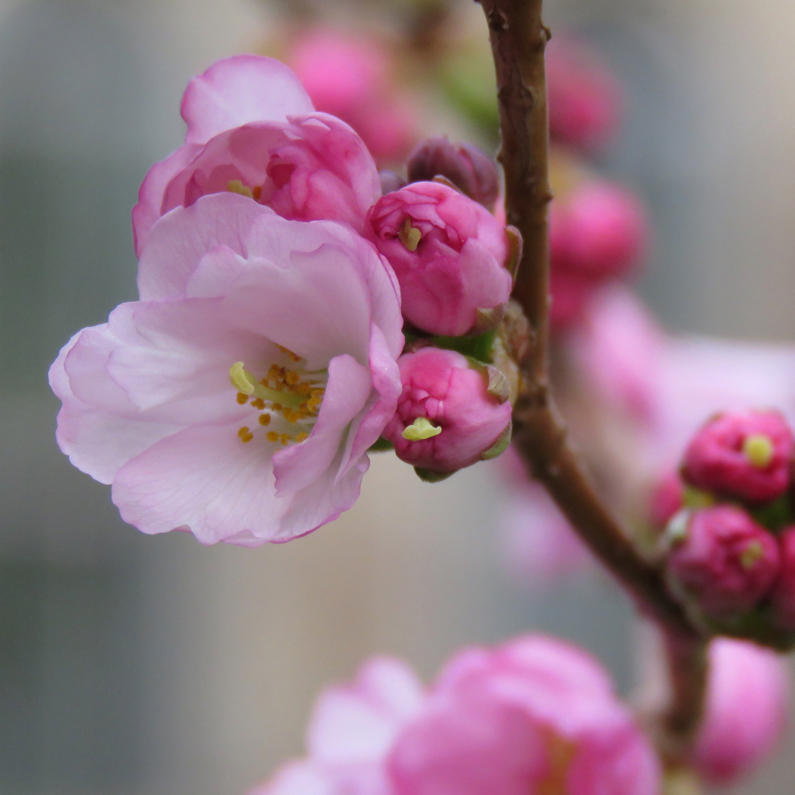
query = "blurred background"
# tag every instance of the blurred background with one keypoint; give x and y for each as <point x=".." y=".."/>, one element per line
<point x="135" y="665"/>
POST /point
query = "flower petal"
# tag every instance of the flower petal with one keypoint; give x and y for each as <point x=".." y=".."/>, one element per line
<point x="202" y="479"/>
<point x="152" y="191"/>
<point x="238" y="90"/>
<point x="347" y="392"/>
<point x="179" y="240"/>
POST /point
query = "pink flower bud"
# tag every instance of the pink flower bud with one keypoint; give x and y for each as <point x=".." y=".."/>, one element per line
<point x="599" y="229"/>
<point x="725" y="561"/>
<point x="783" y="601"/>
<point x="584" y="97"/>
<point x="745" y="710"/>
<point x="469" y="169"/>
<point x="745" y="455"/>
<point x="448" y="252"/>
<point x="446" y="417"/>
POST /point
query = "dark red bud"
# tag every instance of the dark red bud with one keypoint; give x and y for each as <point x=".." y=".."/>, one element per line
<point x="472" y="171"/>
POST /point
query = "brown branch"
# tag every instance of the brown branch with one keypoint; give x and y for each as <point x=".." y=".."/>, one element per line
<point x="518" y="40"/>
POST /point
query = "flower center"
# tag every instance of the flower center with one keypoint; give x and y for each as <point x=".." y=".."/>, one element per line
<point x="236" y="186"/>
<point x="421" y="428"/>
<point x="409" y="235"/>
<point x="287" y="396"/>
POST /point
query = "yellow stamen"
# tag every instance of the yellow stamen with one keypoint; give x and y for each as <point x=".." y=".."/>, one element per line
<point x="420" y="429"/>
<point x="256" y="192"/>
<point x="759" y="450"/>
<point x="409" y="235"/>
<point x="284" y="438"/>
<point x="242" y="379"/>
<point x="258" y="403"/>
<point x="301" y="436"/>
<point x="264" y="419"/>
<point x="242" y="398"/>
<point x="272" y="436"/>
<point x="236" y="186"/>
<point x="245" y="434"/>
<point x="751" y="554"/>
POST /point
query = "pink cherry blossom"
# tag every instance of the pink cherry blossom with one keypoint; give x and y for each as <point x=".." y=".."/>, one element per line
<point x="252" y="129"/>
<point x="745" y="711"/>
<point x="449" y="254"/>
<point x="446" y="419"/>
<point x="535" y="715"/>
<point x="238" y="397"/>
<point x="352" y="78"/>
<point x="667" y="385"/>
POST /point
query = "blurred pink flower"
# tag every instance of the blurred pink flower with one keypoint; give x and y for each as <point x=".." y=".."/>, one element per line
<point x="584" y="97"/>
<point x="745" y="712"/>
<point x="534" y="715"/>
<point x="445" y="419"/>
<point x="351" y="732"/>
<point x="449" y="254"/>
<point x="238" y="397"/>
<point x="598" y="232"/>
<point x="353" y="78"/>
<point x="252" y="129"/>
<point x="666" y="385"/>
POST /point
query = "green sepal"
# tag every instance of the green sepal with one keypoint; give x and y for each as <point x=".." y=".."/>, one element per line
<point x="500" y="446"/>
<point x="380" y="445"/>
<point x="475" y="347"/>
<point x="431" y="477"/>
<point x="774" y="515"/>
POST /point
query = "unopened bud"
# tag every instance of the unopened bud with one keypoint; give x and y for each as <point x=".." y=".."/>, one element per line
<point x="741" y="455"/>
<point x="446" y="417"/>
<point x="471" y="171"/>
<point x="390" y="182"/>
<point x="449" y="255"/>
<point x="722" y="559"/>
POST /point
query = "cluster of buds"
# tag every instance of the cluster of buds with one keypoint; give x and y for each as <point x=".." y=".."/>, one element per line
<point x="453" y="260"/>
<point x="730" y="535"/>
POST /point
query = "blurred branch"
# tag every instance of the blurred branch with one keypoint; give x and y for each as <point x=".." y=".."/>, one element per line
<point x="518" y="40"/>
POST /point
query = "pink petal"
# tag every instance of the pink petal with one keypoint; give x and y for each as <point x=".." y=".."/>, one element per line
<point x="180" y="239"/>
<point x="238" y="90"/>
<point x="348" y="389"/>
<point x="323" y="501"/>
<point x="205" y="480"/>
<point x="357" y="723"/>
<point x="97" y="442"/>
<point x="150" y="196"/>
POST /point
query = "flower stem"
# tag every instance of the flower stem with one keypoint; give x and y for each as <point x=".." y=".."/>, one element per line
<point x="518" y="40"/>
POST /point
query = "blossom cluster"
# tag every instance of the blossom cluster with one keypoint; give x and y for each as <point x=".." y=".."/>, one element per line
<point x="238" y="397"/>
<point x="730" y="535"/>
